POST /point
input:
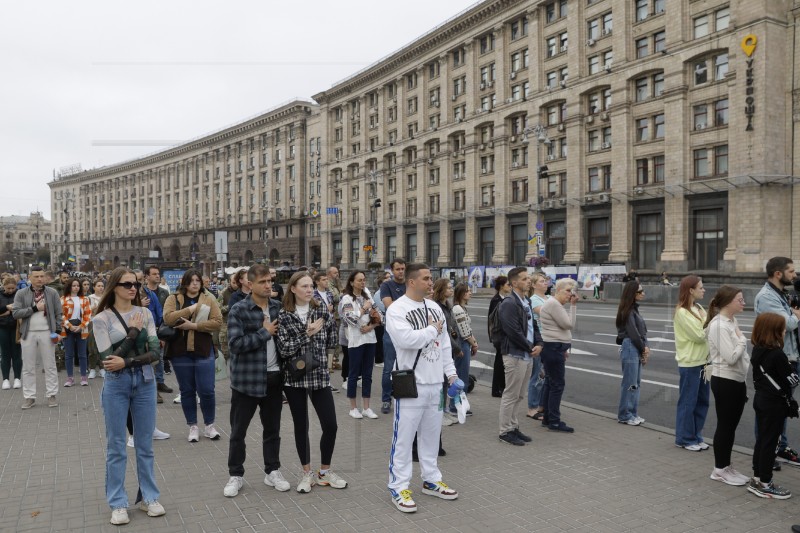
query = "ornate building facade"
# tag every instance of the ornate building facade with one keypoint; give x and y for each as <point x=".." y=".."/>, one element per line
<point x="258" y="182"/>
<point x="23" y="241"/>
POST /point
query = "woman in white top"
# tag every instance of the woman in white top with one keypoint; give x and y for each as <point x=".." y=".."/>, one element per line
<point x="469" y="345"/>
<point x="729" y="364"/>
<point x="539" y="284"/>
<point x="357" y="310"/>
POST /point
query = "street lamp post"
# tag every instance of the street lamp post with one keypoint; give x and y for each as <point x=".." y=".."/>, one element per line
<point x="266" y="207"/>
<point x="541" y="172"/>
<point x="376" y="203"/>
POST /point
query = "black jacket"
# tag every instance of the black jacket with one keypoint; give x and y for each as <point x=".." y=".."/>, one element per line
<point x="634" y="329"/>
<point x="777" y="379"/>
<point x="7" y="322"/>
<point x="514" y="320"/>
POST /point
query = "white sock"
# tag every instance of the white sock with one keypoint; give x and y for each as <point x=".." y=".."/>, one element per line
<point x="322" y="472"/>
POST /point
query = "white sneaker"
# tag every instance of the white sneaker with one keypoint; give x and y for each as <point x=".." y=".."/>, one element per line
<point x="744" y="479"/>
<point x="102" y="372"/>
<point x="703" y="445"/>
<point x="306" y="482"/>
<point x="276" y="479"/>
<point x="6" y="384"/>
<point x="194" y="434"/>
<point x="130" y="443"/>
<point x="92" y="373"/>
<point x="726" y="476"/>
<point x="369" y="413"/>
<point x="177" y="399"/>
<point x="232" y="488"/>
<point x="355" y="413"/>
<point x="17" y="384"/>
<point x="152" y="508"/>
<point x="160" y="435"/>
<point x="447" y="420"/>
<point x="119" y="516"/>
<point x="640" y="419"/>
<point x="330" y="479"/>
<point x="210" y="432"/>
<point x="691" y="447"/>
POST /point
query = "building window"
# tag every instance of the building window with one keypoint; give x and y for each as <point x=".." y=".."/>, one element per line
<point x="459" y="200"/>
<point x="658" y="126"/>
<point x="487" y="245"/>
<point x="433" y="204"/>
<point x="642" y="9"/>
<point x="556" y="236"/>
<point x="701" y="169"/>
<point x="354" y="250"/>
<point x="594" y="64"/>
<point x="641" y="47"/>
<point x="486" y="43"/>
<point x="487" y="196"/>
<point x="642" y="175"/>
<point x="459" y="246"/>
<point x="659" y="41"/>
<point x="721" y="160"/>
<point x="519" y="190"/>
<point x="642" y="130"/>
<point x="555" y="10"/>
<point x="701" y="26"/>
<point x="519" y="244"/>
<point x="519" y="28"/>
<point x="722" y="19"/>
<point x="720" y="64"/>
<point x="721" y="112"/>
<point x="658" y="169"/>
<point x="433" y="248"/>
<point x="648" y="240"/>
<point x="709" y="237"/>
<point x="411" y="246"/>
<point x="599" y="178"/>
<point x="391" y="246"/>
<point x="598" y="240"/>
<point x="700" y="116"/>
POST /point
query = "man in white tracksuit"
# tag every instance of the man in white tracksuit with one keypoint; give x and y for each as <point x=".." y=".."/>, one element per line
<point x="415" y="324"/>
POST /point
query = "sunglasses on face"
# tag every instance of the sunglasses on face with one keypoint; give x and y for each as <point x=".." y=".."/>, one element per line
<point x="130" y="285"/>
<point x="640" y="291"/>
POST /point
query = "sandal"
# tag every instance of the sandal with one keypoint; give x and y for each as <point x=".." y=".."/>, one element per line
<point x="538" y="416"/>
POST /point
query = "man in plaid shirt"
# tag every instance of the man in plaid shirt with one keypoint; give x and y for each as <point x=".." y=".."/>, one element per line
<point x="256" y="381"/>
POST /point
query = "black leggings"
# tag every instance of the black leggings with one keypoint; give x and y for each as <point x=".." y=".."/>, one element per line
<point x="322" y="400"/>
<point x="770" y="416"/>
<point x="729" y="399"/>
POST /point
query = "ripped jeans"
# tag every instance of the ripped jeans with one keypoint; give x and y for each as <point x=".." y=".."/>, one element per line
<point x="631" y="381"/>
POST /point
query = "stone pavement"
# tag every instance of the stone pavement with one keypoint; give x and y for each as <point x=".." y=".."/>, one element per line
<point x="605" y="477"/>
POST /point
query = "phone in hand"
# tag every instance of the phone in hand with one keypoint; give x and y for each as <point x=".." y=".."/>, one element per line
<point x="180" y="321"/>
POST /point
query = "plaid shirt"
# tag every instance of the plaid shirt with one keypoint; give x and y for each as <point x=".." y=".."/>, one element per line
<point x="247" y="341"/>
<point x="292" y="338"/>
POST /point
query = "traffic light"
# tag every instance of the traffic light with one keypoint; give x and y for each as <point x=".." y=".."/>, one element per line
<point x="377" y="203"/>
<point x="543" y="171"/>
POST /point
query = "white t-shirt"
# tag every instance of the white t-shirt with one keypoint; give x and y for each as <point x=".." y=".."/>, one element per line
<point x="407" y="324"/>
<point x="76" y="307"/>
<point x="302" y="313"/>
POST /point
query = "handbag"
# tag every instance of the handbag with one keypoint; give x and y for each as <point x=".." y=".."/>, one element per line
<point x="168" y="333"/>
<point x="299" y="365"/>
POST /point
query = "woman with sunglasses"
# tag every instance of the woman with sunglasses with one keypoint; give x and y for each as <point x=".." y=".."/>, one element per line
<point x="192" y="352"/>
<point x="729" y="364"/>
<point x="77" y="314"/>
<point x="633" y="352"/>
<point x="128" y="345"/>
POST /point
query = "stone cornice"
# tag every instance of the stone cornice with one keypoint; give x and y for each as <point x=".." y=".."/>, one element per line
<point x="409" y="55"/>
<point x="296" y="108"/>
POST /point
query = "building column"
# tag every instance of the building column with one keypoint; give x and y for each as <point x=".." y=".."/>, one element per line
<point x="501" y="238"/>
<point x="422" y="243"/>
<point x="444" y="243"/>
<point x="677" y="170"/>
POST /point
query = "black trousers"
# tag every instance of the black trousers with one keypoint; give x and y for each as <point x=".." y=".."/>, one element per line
<point x="770" y="416"/>
<point x="344" y="362"/>
<point x="729" y="399"/>
<point x="498" y="374"/>
<point x="243" y="407"/>
<point x="322" y="400"/>
<point x="379" y="331"/>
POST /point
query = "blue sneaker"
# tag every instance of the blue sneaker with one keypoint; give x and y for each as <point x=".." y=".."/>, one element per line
<point x="439" y="489"/>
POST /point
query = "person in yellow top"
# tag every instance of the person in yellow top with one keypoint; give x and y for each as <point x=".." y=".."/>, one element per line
<point x="691" y="352"/>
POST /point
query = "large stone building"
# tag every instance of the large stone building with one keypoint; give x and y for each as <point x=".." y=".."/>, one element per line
<point x="23" y="240"/>
<point x="258" y="181"/>
<point x="681" y="119"/>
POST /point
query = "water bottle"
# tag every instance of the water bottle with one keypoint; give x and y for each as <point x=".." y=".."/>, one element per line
<point x="454" y="389"/>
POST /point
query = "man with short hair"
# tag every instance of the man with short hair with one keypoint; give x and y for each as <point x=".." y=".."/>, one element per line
<point x="157" y="296"/>
<point x="521" y="342"/>
<point x="277" y="289"/>
<point x="773" y="298"/>
<point x="421" y="341"/>
<point x="391" y="290"/>
<point x="39" y="309"/>
<point x="53" y="281"/>
<point x="21" y="283"/>
<point x="256" y="380"/>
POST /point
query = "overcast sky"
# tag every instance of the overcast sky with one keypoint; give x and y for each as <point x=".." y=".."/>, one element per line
<point x="98" y="82"/>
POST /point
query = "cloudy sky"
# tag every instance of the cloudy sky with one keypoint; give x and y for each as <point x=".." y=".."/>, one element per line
<point x="98" y="82"/>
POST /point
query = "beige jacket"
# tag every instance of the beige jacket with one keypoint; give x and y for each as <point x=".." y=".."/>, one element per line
<point x="173" y="312"/>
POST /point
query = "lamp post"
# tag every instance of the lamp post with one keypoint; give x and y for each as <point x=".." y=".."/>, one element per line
<point x="267" y="209"/>
<point x="541" y="172"/>
<point x="373" y="176"/>
<point x="67" y="197"/>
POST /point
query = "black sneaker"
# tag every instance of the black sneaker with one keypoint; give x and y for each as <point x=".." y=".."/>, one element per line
<point x="385" y="408"/>
<point x="561" y="426"/>
<point x="776" y="466"/>
<point x="771" y="491"/>
<point x="511" y="438"/>
<point x="789" y="456"/>
<point x="521" y="436"/>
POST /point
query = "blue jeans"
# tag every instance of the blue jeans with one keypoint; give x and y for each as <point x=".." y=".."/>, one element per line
<point x="693" y="400"/>
<point x="75" y="345"/>
<point x="631" y="381"/>
<point x="462" y="367"/>
<point x="361" y="361"/>
<point x="196" y="377"/>
<point x="535" y="385"/>
<point x="553" y="359"/>
<point x="123" y="391"/>
<point x="389" y="355"/>
<point x="160" y="366"/>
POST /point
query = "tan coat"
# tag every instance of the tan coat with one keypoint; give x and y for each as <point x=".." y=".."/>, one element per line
<point x="173" y="312"/>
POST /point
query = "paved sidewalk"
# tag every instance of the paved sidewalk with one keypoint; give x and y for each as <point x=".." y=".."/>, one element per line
<point x="604" y="478"/>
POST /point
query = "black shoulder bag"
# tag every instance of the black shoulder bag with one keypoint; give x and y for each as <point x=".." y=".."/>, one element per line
<point x="167" y="333"/>
<point x="404" y="382"/>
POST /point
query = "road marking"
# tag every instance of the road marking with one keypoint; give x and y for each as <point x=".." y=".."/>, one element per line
<point x="609" y="374"/>
<point x="615" y="345"/>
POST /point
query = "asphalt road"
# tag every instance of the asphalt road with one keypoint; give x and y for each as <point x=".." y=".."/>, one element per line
<point x="593" y="370"/>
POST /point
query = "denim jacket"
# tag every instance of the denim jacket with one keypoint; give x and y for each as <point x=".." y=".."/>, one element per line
<point x="770" y="300"/>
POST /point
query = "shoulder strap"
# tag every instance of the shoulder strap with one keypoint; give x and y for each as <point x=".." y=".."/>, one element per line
<point x="124" y="325"/>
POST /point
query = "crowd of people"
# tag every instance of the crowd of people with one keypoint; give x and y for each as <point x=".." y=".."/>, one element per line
<point x="282" y="347"/>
